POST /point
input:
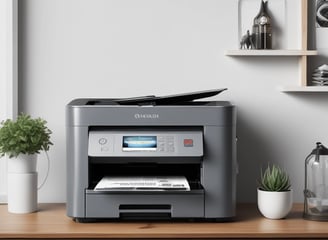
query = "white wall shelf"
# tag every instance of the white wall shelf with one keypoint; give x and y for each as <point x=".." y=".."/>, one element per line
<point x="302" y="53"/>
<point x="304" y="89"/>
<point x="281" y="52"/>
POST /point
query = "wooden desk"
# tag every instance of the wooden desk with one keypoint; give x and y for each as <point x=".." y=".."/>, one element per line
<point x="51" y="222"/>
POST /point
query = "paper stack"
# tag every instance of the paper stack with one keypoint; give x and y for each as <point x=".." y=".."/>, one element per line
<point x="150" y="183"/>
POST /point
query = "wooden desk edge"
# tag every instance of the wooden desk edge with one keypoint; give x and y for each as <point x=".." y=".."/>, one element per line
<point x="51" y="222"/>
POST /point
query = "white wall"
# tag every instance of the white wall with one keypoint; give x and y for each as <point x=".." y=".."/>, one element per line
<point x="122" y="48"/>
<point x="8" y="75"/>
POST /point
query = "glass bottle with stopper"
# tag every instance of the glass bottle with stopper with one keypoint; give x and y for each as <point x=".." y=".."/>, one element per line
<point x="262" y="30"/>
<point x="316" y="184"/>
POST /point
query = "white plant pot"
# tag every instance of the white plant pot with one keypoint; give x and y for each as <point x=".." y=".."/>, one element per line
<point x="274" y="205"/>
<point x="22" y="192"/>
<point x="23" y="163"/>
<point x="22" y="184"/>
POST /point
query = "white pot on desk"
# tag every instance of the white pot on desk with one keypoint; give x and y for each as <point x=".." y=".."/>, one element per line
<point x="274" y="205"/>
<point x="22" y="184"/>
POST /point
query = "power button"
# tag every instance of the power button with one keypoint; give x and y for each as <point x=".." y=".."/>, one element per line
<point x="102" y="141"/>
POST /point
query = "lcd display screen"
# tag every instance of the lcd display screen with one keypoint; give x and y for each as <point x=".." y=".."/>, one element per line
<point x="139" y="143"/>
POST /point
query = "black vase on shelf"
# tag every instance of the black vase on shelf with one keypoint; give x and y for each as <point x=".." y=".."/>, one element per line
<point x="262" y="31"/>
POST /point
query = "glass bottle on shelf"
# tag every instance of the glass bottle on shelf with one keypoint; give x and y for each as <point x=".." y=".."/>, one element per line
<point x="262" y="31"/>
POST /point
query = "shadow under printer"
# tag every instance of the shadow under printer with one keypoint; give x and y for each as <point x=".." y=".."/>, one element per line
<point x="150" y="141"/>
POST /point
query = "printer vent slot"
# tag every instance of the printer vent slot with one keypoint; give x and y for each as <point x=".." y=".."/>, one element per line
<point x="144" y="206"/>
<point x="145" y="211"/>
<point x="145" y="216"/>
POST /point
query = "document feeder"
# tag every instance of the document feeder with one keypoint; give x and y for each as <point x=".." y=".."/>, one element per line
<point x="127" y="138"/>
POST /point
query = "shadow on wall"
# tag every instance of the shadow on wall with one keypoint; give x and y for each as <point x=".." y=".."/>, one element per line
<point x="253" y="153"/>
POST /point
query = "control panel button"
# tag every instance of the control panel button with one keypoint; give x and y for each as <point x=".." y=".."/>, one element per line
<point x="104" y="149"/>
<point x="188" y="142"/>
<point x="102" y="141"/>
<point x="170" y="149"/>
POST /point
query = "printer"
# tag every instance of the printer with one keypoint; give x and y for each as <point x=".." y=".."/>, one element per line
<point x="165" y="137"/>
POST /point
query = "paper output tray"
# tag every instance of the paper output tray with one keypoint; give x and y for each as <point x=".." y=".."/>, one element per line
<point x="144" y="204"/>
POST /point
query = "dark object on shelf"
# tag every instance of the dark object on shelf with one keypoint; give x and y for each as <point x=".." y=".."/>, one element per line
<point x="246" y="41"/>
<point x="316" y="186"/>
<point x="262" y="31"/>
<point x="322" y="13"/>
<point x="320" y="76"/>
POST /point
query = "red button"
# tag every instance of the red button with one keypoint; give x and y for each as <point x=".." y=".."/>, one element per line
<point x="188" y="142"/>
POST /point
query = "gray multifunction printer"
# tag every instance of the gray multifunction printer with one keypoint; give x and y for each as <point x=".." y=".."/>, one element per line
<point x="163" y="144"/>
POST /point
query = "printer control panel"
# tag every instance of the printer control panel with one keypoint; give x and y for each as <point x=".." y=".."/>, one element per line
<point x="145" y="143"/>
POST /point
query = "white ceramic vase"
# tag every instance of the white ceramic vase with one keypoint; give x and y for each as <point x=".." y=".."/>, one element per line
<point x="274" y="205"/>
<point x="22" y="184"/>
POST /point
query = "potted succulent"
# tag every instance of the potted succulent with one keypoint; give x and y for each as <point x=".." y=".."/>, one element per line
<point x="21" y="140"/>
<point x="274" y="194"/>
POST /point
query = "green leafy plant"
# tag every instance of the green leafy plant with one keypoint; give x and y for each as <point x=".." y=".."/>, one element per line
<point x="24" y="136"/>
<point x="274" y="179"/>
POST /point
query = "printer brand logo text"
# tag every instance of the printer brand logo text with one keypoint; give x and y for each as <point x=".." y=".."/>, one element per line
<point x="146" y="116"/>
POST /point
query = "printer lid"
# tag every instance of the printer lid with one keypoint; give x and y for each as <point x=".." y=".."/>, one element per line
<point x="162" y="100"/>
